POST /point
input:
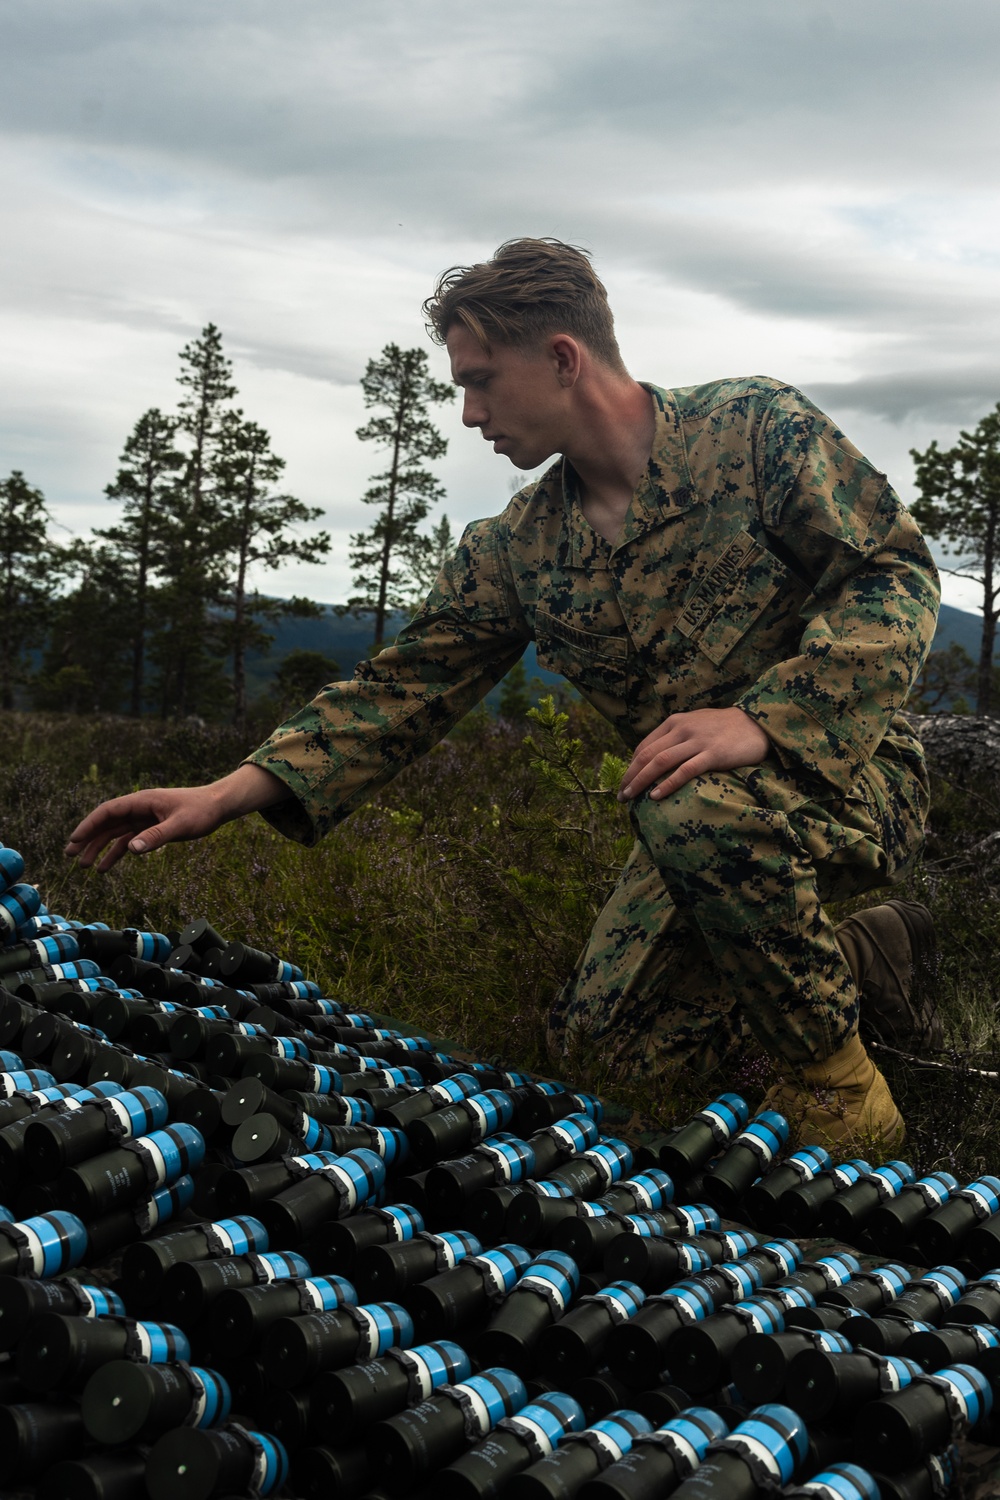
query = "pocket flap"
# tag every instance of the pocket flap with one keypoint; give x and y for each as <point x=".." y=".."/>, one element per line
<point x="549" y="626"/>
<point x="737" y="588"/>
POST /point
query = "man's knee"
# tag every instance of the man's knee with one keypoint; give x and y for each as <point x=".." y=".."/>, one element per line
<point x="704" y="798"/>
<point x="729" y="861"/>
<point x="719" y="811"/>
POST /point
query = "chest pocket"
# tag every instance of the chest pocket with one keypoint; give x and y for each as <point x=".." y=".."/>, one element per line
<point x="594" y="662"/>
<point x="738" y="587"/>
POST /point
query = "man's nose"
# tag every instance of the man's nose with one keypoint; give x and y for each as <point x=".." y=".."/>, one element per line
<point x="473" y="410"/>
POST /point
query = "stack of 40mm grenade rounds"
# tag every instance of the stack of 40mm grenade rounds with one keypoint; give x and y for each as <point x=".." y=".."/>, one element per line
<point x="253" y="1243"/>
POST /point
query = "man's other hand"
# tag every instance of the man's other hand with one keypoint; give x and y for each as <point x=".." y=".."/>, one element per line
<point x="690" y="744"/>
<point x="146" y="820"/>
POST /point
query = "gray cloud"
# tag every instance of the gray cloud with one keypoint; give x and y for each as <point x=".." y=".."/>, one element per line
<point x="811" y="184"/>
<point x="774" y="270"/>
<point x="331" y="367"/>
<point x="341" y="91"/>
<point x="929" y="395"/>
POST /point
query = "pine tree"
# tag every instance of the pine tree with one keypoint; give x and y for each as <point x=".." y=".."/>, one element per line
<point x="31" y="570"/>
<point x="424" y="558"/>
<point x="193" y="566"/>
<point x="515" y="692"/>
<point x="960" y="501"/>
<point x="147" y="487"/>
<point x="258" y="533"/>
<point x="88" y="658"/>
<point x="400" y="383"/>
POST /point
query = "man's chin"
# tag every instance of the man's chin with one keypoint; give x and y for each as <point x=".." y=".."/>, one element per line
<point x="522" y="458"/>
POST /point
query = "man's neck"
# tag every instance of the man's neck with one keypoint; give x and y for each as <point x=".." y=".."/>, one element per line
<point x="610" y="452"/>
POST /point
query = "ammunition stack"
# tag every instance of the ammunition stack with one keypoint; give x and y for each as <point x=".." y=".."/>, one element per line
<point x="254" y="1242"/>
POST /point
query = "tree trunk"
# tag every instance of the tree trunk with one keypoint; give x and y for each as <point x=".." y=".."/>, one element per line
<point x="239" y="656"/>
<point x="180" y="676"/>
<point x="984" y="680"/>
<point x="984" y="684"/>
<point x="239" y="610"/>
<point x="142" y="575"/>
<point x="8" y="645"/>
<point x="138" y="655"/>
<point x="194" y="614"/>
<point x="383" y="577"/>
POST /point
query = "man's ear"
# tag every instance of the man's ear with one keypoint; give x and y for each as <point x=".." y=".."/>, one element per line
<point x="567" y="358"/>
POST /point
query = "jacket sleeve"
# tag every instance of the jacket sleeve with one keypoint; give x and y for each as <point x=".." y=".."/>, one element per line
<point x="355" y="736"/>
<point x="869" y="619"/>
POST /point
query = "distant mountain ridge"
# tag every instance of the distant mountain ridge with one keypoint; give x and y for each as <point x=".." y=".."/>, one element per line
<point x="961" y="625"/>
<point x="348" y="639"/>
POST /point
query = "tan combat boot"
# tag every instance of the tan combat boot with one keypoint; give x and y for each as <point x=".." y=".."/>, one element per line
<point x="883" y="946"/>
<point x="842" y="1103"/>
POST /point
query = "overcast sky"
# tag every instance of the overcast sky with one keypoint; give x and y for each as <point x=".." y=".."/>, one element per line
<point x="807" y="191"/>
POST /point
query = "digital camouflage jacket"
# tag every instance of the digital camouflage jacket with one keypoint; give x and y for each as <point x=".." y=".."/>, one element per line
<point x="763" y="562"/>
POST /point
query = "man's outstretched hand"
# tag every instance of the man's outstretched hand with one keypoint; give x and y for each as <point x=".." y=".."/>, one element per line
<point x="690" y="744"/>
<point x="146" y="820"/>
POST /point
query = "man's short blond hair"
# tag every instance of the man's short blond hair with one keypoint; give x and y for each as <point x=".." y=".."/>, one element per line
<point x="530" y="289"/>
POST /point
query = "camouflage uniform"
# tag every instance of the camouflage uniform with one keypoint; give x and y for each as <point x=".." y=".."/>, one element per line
<point x="763" y="563"/>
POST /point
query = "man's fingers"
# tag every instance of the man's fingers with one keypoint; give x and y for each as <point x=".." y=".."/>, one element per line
<point x="124" y="840"/>
<point x="669" y="770"/>
<point x="692" y="744"/>
<point x="153" y="837"/>
<point x="635" y="768"/>
<point x="112" y="855"/>
<point x="144" y="821"/>
<point x="687" y="771"/>
<point x="661" y="742"/>
<point x="86" y="849"/>
<point x="653" y="768"/>
<point x="670" y="725"/>
<point x="140" y="822"/>
<point x="109" y="820"/>
<point x="110" y="847"/>
<point x="90" y="833"/>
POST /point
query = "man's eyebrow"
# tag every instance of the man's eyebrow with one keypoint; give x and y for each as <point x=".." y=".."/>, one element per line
<point x="474" y="372"/>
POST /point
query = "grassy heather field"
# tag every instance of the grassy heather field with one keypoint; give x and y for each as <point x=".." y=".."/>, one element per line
<point x="460" y="898"/>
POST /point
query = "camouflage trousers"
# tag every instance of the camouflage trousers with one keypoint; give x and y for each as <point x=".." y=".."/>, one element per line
<point x="717" y="923"/>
